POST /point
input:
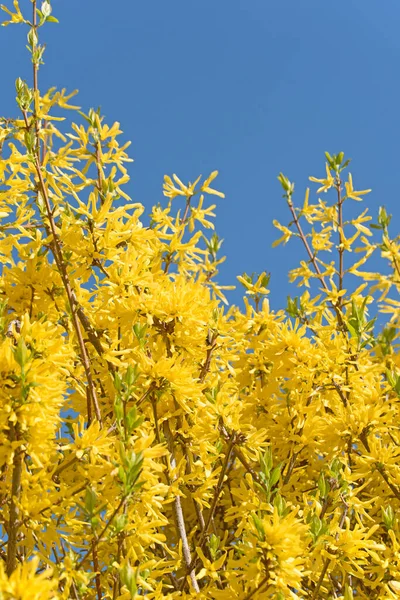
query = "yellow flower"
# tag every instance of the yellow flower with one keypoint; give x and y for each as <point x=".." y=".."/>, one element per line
<point x="171" y="191"/>
<point x="257" y="288"/>
<point x="206" y="185"/>
<point x="210" y="569"/>
<point x="351" y="193"/>
<point x="287" y="234"/>
<point x="326" y="183"/>
<point x="16" y="17"/>
<point x="26" y="584"/>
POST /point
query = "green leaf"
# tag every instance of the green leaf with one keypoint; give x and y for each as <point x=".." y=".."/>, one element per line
<point x="275" y="476"/>
<point x="117" y="382"/>
<point x="259" y="526"/>
<point x="133" y="421"/>
<point x="118" y="409"/>
<point x="90" y="500"/>
<point x="214" y="545"/>
<point x="266" y="462"/>
<point x="128" y="577"/>
<point x="21" y="353"/>
<point x="120" y="522"/>
<point x="388" y="517"/>
<point x="323" y="486"/>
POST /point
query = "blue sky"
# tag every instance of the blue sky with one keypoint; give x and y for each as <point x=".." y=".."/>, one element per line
<point x="248" y="87"/>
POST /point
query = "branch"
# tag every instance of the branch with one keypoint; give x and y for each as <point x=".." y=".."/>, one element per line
<point x="328" y="560"/>
<point x="320" y="579"/>
<point x="179" y="517"/>
<point x="178" y="512"/>
<point x="211" y="345"/>
<point x="341" y="239"/>
<point x="97" y="570"/>
<point x="67" y="285"/>
<point x="381" y="470"/>
<point x="56" y="244"/>
<point x="187" y="207"/>
<point x="13" y="523"/>
<point x="218" y="490"/>
<point x="107" y="525"/>
<point x="314" y="262"/>
<point x="257" y="589"/>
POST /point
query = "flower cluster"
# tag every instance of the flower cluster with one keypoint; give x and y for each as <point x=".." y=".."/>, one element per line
<point x="157" y="443"/>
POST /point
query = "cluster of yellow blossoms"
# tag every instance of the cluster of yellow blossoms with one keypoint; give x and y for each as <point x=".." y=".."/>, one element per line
<point x="156" y="443"/>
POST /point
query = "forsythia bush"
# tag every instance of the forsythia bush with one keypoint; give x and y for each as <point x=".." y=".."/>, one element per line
<point x="156" y="443"/>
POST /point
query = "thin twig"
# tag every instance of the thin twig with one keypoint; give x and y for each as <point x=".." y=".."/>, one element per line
<point x="107" y="525"/>
<point x="179" y="517"/>
<point x="99" y="171"/>
<point x="257" y="589"/>
<point x="328" y="560"/>
<point x="187" y="207"/>
<point x="56" y="243"/>
<point x="214" y="502"/>
<point x="314" y="262"/>
<point x="178" y="512"/>
<point x="341" y="240"/>
<point x="381" y="470"/>
<point x="35" y="66"/>
<point x="320" y="579"/>
<point x="211" y="345"/>
<point x="15" y="495"/>
<point x="96" y="570"/>
<point x="67" y="285"/>
<point x="340" y="393"/>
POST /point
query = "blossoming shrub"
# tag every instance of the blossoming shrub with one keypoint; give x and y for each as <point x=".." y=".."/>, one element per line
<point x="156" y="443"/>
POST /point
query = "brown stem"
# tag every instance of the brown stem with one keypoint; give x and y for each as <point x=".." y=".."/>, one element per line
<point x="35" y="66"/>
<point x="96" y="261"/>
<point x="314" y="262"/>
<point x="188" y="469"/>
<point x="117" y="581"/>
<point x="67" y="285"/>
<point x="320" y="579"/>
<point x="145" y="394"/>
<point x="64" y="465"/>
<point x="92" y="334"/>
<point x="379" y="467"/>
<point x="106" y="526"/>
<point x="328" y="560"/>
<point x="74" y="590"/>
<point x="381" y="470"/>
<point x="212" y="342"/>
<point x="56" y="244"/>
<point x="99" y="171"/>
<point x="96" y="569"/>
<point x="178" y="513"/>
<point x="44" y="144"/>
<point x="396" y="264"/>
<point x="336" y="587"/>
<point x="187" y="207"/>
<point x="341" y="240"/>
<point x="218" y="489"/>
<point x="214" y="502"/>
<point x="340" y="393"/>
<point x="306" y="245"/>
<point x="290" y="467"/>
<point x="239" y="454"/>
<point x="13" y="523"/>
<point x="258" y="588"/>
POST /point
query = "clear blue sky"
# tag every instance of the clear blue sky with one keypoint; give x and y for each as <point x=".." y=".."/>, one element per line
<point x="248" y="87"/>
